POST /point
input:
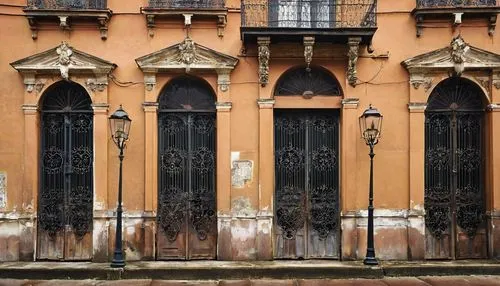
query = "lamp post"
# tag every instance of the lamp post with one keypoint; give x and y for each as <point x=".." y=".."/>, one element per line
<point x="370" y="125"/>
<point x="119" y="123"/>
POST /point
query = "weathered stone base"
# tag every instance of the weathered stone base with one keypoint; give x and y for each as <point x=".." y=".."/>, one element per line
<point x="398" y="234"/>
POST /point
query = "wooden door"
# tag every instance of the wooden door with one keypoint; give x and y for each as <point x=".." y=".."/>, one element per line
<point x="454" y="173"/>
<point x="187" y="216"/>
<point x="306" y="184"/>
<point x="65" y="202"/>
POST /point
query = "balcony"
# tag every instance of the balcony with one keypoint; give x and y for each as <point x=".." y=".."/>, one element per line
<point x="188" y="9"/>
<point x="326" y="20"/>
<point x="455" y="11"/>
<point x="67" y="13"/>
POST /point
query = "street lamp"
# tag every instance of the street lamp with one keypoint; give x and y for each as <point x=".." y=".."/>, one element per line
<point x="119" y="123"/>
<point x="370" y="125"/>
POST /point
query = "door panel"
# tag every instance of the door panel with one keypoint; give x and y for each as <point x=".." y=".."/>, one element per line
<point x="306" y="184"/>
<point x="186" y="207"/>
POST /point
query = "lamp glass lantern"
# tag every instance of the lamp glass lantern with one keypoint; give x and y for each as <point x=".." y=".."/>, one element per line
<point x="370" y="124"/>
<point x="119" y="123"/>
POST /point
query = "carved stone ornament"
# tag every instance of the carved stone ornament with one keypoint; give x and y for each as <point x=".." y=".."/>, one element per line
<point x="188" y="52"/>
<point x="61" y="60"/>
<point x="420" y="80"/>
<point x="496" y="80"/>
<point x="185" y="57"/>
<point x="458" y="50"/>
<point x="223" y="79"/>
<point x="264" y="54"/>
<point x="95" y="85"/>
<point x="64" y="61"/>
<point x="308" y="51"/>
<point x="352" y="54"/>
<point x="453" y="59"/>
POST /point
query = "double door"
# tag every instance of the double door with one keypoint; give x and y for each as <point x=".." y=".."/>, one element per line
<point x="454" y="185"/>
<point x="187" y="216"/>
<point x="307" y="223"/>
<point x="65" y="200"/>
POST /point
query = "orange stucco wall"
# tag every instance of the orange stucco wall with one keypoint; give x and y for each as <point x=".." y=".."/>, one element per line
<point x="385" y="84"/>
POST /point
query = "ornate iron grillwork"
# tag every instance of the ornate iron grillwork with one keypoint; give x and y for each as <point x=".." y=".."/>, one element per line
<point x="315" y="14"/>
<point x="187" y="4"/>
<point x="306" y="172"/>
<point x="186" y="133"/>
<point x="301" y="81"/>
<point x="68" y="4"/>
<point x="66" y="196"/>
<point x="454" y="180"/>
<point x="455" y="3"/>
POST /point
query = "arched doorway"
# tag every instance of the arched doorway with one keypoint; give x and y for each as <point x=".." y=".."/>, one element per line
<point x="306" y="152"/>
<point x="454" y="171"/>
<point x="65" y="200"/>
<point x="187" y="214"/>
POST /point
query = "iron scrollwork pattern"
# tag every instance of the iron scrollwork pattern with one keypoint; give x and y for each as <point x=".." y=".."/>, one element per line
<point x="187" y="160"/>
<point x="66" y="198"/>
<point x="306" y="175"/>
<point x="172" y="213"/>
<point x="454" y="158"/>
<point x="202" y="213"/>
<point x="51" y="217"/>
<point x="80" y="210"/>
<point x="290" y="210"/>
<point x="324" y="210"/>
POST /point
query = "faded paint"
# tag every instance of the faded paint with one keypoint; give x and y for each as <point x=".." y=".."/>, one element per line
<point x="241" y="173"/>
<point x="3" y="189"/>
<point x="242" y="207"/>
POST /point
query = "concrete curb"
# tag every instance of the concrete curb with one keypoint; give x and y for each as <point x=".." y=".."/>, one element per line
<point x="219" y="270"/>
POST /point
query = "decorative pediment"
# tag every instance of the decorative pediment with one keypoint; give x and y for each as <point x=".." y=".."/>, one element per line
<point x="185" y="56"/>
<point x="65" y="61"/>
<point x="457" y="57"/>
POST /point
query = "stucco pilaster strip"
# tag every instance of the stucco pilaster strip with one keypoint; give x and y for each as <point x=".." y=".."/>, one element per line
<point x="266" y="103"/>
<point x="350" y="103"/>
<point x="417" y="107"/>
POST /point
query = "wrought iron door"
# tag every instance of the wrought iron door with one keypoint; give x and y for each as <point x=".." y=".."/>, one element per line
<point x="187" y="216"/>
<point x="454" y="172"/>
<point x="65" y="201"/>
<point x="306" y="184"/>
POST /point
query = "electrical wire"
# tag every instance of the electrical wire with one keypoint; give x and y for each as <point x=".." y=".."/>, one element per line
<point x="123" y="83"/>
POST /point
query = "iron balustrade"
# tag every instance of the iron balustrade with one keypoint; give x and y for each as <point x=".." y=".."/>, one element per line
<point x="190" y="4"/>
<point x="309" y="13"/>
<point x="68" y="4"/>
<point x="455" y="3"/>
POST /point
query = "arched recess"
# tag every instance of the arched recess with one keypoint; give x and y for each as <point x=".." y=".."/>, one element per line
<point x="39" y="72"/>
<point x="306" y="165"/>
<point x="65" y="199"/>
<point x="455" y="157"/>
<point x="187" y="212"/>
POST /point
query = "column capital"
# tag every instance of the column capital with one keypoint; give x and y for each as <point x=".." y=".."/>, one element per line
<point x="493" y="107"/>
<point x="30" y="108"/>
<point x="417" y="107"/>
<point x="149" y="106"/>
<point x="350" y="103"/>
<point x="223" y="106"/>
<point x="266" y="103"/>
<point x="100" y="107"/>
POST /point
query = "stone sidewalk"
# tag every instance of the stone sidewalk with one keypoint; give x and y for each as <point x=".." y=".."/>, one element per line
<point x="253" y="273"/>
<point x="392" y="281"/>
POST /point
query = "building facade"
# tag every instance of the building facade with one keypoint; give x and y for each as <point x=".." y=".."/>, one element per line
<point x="245" y="141"/>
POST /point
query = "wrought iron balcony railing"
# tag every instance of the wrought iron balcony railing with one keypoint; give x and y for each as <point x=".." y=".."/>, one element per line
<point x="312" y="14"/>
<point x="455" y="3"/>
<point x="187" y="4"/>
<point x="68" y="4"/>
